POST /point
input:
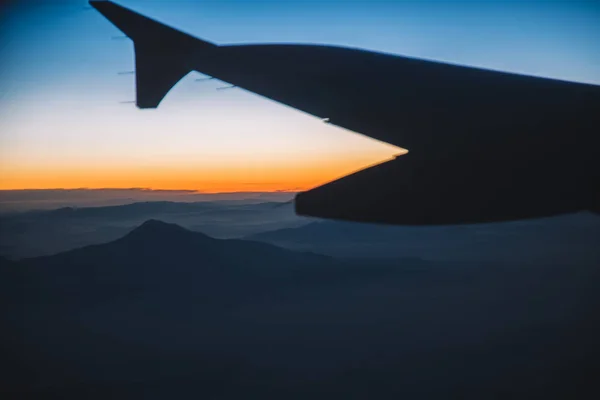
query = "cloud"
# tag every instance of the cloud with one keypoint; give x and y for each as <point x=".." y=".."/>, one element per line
<point x="43" y="199"/>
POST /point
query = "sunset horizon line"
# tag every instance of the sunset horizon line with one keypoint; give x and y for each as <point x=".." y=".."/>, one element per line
<point x="149" y="189"/>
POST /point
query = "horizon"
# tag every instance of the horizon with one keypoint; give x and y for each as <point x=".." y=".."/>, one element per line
<point x="146" y="189"/>
<point x="23" y="200"/>
<point x="63" y="125"/>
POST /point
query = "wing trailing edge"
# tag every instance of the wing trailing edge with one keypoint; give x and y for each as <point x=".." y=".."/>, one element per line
<point x="413" y="190"/>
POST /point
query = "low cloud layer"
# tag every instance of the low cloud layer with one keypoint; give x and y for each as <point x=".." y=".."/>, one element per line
<point x="44" y="199"/>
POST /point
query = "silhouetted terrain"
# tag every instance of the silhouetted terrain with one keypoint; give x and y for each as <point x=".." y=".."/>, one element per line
<point x="37" y="233"/>
<point x="167" y="313"/>
<point x="49" y="199"/>
<point x="569" y="238"/>
<point x="565" y="238"/>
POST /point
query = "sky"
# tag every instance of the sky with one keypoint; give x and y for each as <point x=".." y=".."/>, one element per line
<point x="64" y="122"/>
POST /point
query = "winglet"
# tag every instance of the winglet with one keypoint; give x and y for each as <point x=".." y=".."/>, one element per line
<point x="161" y="52"/>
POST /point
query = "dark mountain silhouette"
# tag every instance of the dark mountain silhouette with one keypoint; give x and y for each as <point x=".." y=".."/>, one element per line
<point x="145" y="209"/>
<point x="159" y="253"/>
<point x="12" y="201"/>
<point x="164" y="312"/>
<point x="569" y="238"/>
<point x="39" y="233"/>
<point x="154" y="238"/>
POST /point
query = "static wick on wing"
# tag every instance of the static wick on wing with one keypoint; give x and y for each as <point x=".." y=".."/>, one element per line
<point x="204" y="79"/>
<point x="226" y="87"/>
<point x="126" y="73"/>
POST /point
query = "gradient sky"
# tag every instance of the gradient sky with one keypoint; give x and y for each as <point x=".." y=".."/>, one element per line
<point x="62" y="124"/>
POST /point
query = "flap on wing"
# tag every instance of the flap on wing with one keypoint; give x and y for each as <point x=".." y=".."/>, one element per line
<point x="410" y="190"/>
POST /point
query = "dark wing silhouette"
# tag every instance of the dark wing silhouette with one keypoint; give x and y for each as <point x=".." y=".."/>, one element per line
<point x="483" y="145"/>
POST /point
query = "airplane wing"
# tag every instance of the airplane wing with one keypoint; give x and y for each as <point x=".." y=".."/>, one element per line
<point x="410" y="103"/>
<point x="506" y="144"/>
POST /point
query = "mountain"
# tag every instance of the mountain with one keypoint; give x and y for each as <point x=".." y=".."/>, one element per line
<point x="48" y="199"/>
<point x="159" y="254"/>
<point x="144" y="209"/>
<point x="155" y="238"/>
<point x="569" y="238"/>
<point x="164" y="312"/>
<point x="38" y="233"/>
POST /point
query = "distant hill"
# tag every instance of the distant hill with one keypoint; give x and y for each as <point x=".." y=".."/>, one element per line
<point x="567" y="238"/>
<point x="49" y="199"/>
<point x="143" y="209"/>
<point x="157" y="253"/>
<point x="37" y="233"/>
<point x="164" y="312"/>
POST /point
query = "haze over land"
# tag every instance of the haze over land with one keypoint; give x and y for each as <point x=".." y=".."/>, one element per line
<point x="122" y="305"/>
<point x="45" y="199"/>
<point x="270" y="217"/>
<point x="165" y="312"/>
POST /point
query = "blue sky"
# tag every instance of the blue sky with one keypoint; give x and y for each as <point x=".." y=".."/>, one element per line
<point x="60" y="92"/>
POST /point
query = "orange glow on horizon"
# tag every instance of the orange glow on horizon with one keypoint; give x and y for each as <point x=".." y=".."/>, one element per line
<point x="239" y="177"/>
<point x="265" y="147"/>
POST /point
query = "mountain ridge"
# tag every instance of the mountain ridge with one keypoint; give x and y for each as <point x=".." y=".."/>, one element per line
<point x="164" y="308"/>
<point x="160" y="252"/>
<point x="564" y="238"/>
<point x="38" y="233"/>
